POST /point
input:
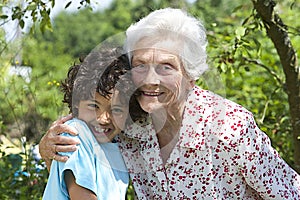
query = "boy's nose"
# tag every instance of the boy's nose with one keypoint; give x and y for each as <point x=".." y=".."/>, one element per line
<point x="104" y="118"/>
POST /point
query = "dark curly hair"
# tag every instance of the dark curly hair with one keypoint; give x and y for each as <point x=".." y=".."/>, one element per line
<point x="101" y="71"/>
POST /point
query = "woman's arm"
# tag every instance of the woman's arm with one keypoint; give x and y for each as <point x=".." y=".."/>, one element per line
<point x="76" y="192"/>
<point x="52" y="142"/>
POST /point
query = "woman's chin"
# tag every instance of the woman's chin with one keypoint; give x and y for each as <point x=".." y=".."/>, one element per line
<point x="151" y="107"/>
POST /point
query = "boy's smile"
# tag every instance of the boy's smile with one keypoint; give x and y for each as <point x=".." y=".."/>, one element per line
<point x="105" y="117"/>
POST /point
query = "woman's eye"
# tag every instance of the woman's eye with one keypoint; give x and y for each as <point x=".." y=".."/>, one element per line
<point x="164" y="69"/>
<point x="140" y="67"/>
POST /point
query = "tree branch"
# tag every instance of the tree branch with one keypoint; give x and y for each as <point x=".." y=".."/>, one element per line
<point x="277" y="31"/>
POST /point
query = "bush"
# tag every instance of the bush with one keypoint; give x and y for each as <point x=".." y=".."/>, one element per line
<point x="22" y="175"/>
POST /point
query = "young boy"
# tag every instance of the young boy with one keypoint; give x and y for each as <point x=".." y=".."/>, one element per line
<point x="96" y="170"/>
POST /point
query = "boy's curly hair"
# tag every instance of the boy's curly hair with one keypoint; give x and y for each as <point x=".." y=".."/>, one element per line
<point x="99" y="72"/>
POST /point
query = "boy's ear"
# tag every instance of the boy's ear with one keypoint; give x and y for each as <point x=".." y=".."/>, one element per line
<point x="192" y="84"/>
<point x="74" y="111"/>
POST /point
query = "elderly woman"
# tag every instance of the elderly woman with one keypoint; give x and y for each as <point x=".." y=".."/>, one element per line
<point x="189" y="143"/>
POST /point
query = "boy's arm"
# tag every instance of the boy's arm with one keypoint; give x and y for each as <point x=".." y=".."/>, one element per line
<point x="77" y="192"/>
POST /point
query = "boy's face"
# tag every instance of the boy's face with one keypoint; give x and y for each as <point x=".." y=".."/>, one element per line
<point x="105" y="117"/>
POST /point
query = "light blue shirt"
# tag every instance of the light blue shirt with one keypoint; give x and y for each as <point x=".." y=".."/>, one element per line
<point x="97" y="167"/>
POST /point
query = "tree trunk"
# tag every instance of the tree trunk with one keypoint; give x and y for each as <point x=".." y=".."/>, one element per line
<point x="278" y="33"/>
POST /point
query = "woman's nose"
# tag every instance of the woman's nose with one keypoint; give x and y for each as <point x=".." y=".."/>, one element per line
<point x="104" y="118"/>
<point x="151" y="76"/>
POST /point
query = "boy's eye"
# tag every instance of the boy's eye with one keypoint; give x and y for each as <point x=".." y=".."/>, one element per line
<point x="93" y="105"/>
<point x="117" y="110"/>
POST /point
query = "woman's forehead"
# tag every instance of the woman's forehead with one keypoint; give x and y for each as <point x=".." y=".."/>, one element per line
<point x="166" y="45"/>
<point x="154" y="54"/>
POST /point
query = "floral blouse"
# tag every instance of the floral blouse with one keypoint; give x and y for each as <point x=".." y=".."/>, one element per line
<point x="221" y="154"/>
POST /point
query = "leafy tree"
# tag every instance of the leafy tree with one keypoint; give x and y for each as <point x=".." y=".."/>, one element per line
<point x="278" y="32"/>
<point x="251" y="67"/>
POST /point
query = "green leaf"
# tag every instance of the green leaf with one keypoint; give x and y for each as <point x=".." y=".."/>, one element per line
<point x="240" y="32"/>
<point x="68" y="4"/>
<point x="237" y="8"/>
<point x="32" y="6"/>
<point x="3" y="16"/>
<point x="21" y="23"/>
<point x="52" y="4"/>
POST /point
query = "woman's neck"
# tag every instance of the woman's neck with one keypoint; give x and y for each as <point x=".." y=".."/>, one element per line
<point x="167" y="122"/>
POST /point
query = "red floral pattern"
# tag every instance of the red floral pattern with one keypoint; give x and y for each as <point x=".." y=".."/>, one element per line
<point x="221" y="154"/>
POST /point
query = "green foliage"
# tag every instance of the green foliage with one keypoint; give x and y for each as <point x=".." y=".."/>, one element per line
<point x="251" y="70"/>
<point x="21" y="177"/>
<point x="27" y="106"/>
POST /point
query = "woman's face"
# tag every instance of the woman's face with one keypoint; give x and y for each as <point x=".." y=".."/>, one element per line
<point x="160" y="78"/>
<point x="105" y="117"/>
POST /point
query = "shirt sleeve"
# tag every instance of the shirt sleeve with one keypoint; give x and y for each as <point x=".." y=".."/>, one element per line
<point x="81" y="162"/>
<point x="263" y="169"/>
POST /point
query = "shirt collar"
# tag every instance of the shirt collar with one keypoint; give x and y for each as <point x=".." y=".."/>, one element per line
<point x="140" y="130"/>
<point x="192" y="132"/>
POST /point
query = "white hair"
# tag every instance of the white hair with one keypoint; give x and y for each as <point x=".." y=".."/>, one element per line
<point x="173" y="24"/>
